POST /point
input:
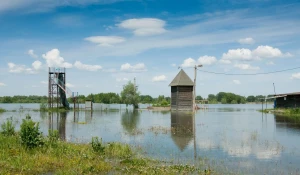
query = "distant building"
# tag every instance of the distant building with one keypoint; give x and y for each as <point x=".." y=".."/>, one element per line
<point x="182" y="92"/>
<point x="289" y="100"/>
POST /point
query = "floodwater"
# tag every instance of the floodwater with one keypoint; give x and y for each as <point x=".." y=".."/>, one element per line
<point x="227" y="138"/>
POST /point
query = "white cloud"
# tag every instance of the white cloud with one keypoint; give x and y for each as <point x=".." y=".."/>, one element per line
<point x="246" y="41"/>
<point x="296" y="76"/>
<point x="105" y="40"/>
<point x="140" y="67"/>
<point x="267" y="52"/>
<point x="238" y="54"/>
<point x="32" y="54"/>
<point x="189" y="62"/>
<point x="207" y="60"/>
<point x="13" y="68"/>
<point x="112" y="70"/>
<point x="54" y="59"/>
<point x="144" y="26"/>
<point x="173" y="65"/>
<point x="44" y="82"/>
<point x="69" y="85"/>
<point x="236" y="81"/>
<point x="159" y="78"/>
<point x="270" y="63"/>
<point x="2" y="84"/>
<point x="122" y="79"/>
<point x="37" y="65"/>
<point x="87" y="67"/>
<point x="246" y="67"/>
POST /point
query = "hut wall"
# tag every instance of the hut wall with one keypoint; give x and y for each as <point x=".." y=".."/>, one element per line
<point x="182" y="97"/>
<point x="291" y="101"/>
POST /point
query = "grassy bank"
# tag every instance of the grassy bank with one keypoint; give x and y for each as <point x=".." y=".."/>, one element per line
<point x="291" y="113"/>
<point x="28" y="152"/>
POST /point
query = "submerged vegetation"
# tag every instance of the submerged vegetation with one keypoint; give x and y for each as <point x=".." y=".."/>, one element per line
<point x="28" y="152"/>
<point x="2" y="110"/>
<point x="293" y="113"/>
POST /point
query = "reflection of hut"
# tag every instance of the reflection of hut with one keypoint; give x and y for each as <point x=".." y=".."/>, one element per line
<point x="182" y="129"/>
<point x="182" y="92"/>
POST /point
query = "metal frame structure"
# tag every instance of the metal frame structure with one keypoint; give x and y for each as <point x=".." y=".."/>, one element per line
<point x="53" y="88"/>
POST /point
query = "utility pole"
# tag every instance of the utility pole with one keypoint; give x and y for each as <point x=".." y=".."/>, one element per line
<point x="194" y="90"/>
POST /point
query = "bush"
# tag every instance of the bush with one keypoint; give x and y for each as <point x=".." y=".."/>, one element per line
<point x="30" y="135"/>
<point x="97" y="145"/>
<point x="8" y="128"/>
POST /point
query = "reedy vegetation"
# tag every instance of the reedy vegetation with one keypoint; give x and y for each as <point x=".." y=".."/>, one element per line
<point x="53" y="156"/>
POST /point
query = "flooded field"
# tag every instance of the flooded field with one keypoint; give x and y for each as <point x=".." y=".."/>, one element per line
<point x="227" y="138"/>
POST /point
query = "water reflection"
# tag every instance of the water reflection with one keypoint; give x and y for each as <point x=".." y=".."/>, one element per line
<point x="57" y="121"/>
<point x="130" y="120"/>
<point x="182" y="125"/>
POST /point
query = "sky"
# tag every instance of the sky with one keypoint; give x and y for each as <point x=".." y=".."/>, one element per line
<point x="103" y="44"/>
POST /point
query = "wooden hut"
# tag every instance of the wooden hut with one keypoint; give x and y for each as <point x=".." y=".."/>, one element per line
<point x="289" y="100"/>
<point x="182" y="92"/>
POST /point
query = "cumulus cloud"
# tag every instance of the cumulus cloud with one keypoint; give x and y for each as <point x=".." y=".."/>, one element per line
<point x="246" y="67"/>
<point x="236" y="81"/>
<point x="87" y="67"/>
<point x="2" y="84"/>
<point x="140" y="67"/>
<point x="105" y="40"/>
<point x="203" y="60"/>
<point x="259" y="53"/>
<point x="207" y="60"/>
<point x="159" y="78"/>
<point x="14" y="68"/>
<point x="238" y="54"/>
<point x="173" y="65"/>
<point x="296" y="76"/>
<point x="53" y="59"/>
<point x="246" y="41"/>
<point x="189" y="62"/>
<point x="144" y="26"/>
<point x="32" y="54"/>
<point x="37" y="65"/>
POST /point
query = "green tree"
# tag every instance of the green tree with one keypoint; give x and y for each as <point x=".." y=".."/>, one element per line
<point x="251" y="98"/>
<point x="199" y="97"/>
<point x="130" y="95"/>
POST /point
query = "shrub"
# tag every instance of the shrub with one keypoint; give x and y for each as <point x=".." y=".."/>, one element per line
<point x="30" y="135"/>
<point x="97" y="145"/>
<point x="8" y="128"/>
<point x="2" y="110"/>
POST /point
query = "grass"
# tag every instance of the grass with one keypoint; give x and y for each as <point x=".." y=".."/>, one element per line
<point x="293" y="113"/>
<point x="2" y="110"/>
<point x="71" y="158"/>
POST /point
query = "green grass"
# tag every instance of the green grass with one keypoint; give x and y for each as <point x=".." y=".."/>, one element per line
<point x="2" y="110"/>
<point x="70" y="158"/>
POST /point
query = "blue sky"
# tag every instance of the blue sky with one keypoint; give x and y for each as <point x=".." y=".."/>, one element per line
<point x="106" y="43"/>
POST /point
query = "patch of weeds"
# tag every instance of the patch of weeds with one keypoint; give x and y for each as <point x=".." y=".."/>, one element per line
<point x="97" y="145"/>
<point x="2" y="110"/>
<point x="8" y="128"/>
<point x="118" y="150"/>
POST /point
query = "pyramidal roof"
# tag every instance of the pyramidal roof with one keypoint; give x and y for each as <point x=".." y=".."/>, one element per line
<point x="182" y="79"/>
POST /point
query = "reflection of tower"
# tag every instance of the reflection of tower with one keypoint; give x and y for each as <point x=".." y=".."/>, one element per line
<point x="57" y="121"/>
<point x="182" y="128"/>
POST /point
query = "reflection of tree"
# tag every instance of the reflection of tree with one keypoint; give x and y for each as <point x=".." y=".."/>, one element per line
<point x="130" y="120"/>
<point x="284" y="121"/>
<point x="57" y="121"/>
<point x="182" y="128"/>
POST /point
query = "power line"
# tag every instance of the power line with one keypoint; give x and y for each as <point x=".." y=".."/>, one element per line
<point x="261" y="73"/>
